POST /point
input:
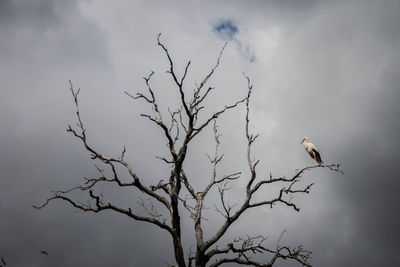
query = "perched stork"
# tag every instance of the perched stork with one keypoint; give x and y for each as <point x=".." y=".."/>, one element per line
<point x="312" y="150"/>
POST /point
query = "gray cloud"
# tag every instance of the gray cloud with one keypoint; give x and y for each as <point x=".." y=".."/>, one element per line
<point x="328" y="70"/>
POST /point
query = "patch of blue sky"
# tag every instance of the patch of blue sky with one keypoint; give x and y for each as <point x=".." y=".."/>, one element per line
<point x="228" y="29"/>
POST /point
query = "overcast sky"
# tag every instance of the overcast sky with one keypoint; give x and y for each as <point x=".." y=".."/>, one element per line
<point x="329" y="70"/>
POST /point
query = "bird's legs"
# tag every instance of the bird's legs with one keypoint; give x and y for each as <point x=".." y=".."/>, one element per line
<point x="310" y="163"/>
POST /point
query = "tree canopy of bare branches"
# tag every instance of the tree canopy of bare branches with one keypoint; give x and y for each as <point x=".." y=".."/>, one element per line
<point x="185" y="125"/>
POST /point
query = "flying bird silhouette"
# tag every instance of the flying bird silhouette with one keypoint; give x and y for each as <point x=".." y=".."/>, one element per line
<point x="44" y="252"/>
<point x="312" y="150"/>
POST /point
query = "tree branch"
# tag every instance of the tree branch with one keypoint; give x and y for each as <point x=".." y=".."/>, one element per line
<point x="110" y="161"/>
<point x="159" y="119"/>
<point x="255" y="246"/>
<point x="100" y="206"/>
<point x="172" y="72"/>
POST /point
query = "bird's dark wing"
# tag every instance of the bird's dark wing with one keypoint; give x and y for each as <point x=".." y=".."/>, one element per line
<point x="317" y="156"/>
<point x="311" y="153"/>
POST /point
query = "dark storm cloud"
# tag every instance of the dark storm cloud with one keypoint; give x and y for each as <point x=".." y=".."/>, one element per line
<point x="332" y="73"/>
<point x="48" y="31"/>
<point x="41" y="44"/>
<point x="35" y="14"/>
<point x="351" y="112"/>
<point x="371" y="188"/>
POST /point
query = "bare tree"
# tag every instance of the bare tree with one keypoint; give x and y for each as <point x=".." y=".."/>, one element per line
<point x="184" y="125"/>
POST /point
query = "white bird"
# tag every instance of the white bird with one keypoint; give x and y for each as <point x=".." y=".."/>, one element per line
<point x="312" y="150"/>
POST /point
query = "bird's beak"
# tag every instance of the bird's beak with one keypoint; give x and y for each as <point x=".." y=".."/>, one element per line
<point x="302" y="141"/>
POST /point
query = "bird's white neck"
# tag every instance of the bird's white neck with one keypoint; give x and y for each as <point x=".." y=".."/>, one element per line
<point x="307" y="145"/>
